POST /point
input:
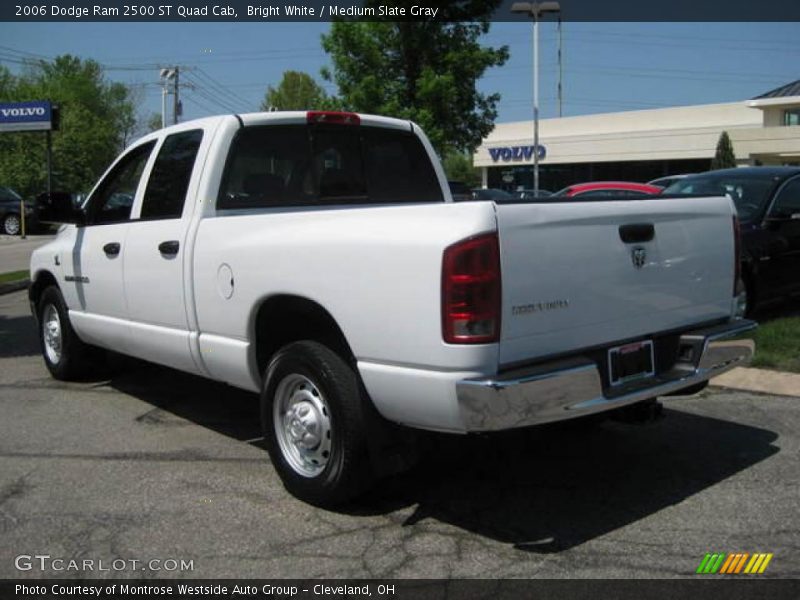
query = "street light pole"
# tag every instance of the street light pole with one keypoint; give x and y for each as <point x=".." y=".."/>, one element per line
<point x="535" y="10"/>
<point x="535" y="104"/>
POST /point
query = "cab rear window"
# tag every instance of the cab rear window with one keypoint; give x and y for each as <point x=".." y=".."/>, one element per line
<point x="301" y="165"/>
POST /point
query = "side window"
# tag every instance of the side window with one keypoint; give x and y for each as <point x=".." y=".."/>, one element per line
<point x="595" y="194"/>
<point x="267" y="166"/>
<point x="788" y="201"/>
<point x="398" y="168"/>
<point x="112" y="201"/>
<point x="169" y="180"/>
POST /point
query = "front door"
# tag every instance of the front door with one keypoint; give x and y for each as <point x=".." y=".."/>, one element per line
<point x="96" y="270"/>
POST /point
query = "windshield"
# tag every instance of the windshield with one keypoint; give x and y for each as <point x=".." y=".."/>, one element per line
<point x="749" y="193"/>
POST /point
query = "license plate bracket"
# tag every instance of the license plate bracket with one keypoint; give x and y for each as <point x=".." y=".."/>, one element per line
<point x="630" y="362"/>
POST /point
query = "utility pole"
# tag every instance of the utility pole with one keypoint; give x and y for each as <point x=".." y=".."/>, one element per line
<point x="176" y="103"/>
<point x="560" y="70"/>
<point x="536" y="10"/>
<point x="167" y="75"/>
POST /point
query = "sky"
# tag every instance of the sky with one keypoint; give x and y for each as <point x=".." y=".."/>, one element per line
<point x="607" y="67"/>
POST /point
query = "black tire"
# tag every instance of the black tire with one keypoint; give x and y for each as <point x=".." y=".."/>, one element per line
<point x="345" y="471"/>
<point x="11" y="224"/>
<point x="751" y="297"/>
<point x="75" y="358"/>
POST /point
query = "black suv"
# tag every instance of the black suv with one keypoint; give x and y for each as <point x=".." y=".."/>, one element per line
<point x="768" y="202"/>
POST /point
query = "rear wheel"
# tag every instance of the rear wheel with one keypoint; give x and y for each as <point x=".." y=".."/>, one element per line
<point x="11" y="224"/>
<point x="65" y="355"/>
<point x="313" y="419"/>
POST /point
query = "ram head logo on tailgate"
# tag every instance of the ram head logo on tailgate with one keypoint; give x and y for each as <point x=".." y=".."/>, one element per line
<point x="639" y="257"/>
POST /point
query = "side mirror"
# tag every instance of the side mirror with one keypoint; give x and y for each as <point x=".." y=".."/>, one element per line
<point x="59" y="207"/>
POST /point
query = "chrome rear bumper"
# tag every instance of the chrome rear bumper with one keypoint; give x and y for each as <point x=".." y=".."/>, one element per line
<point x="573" y="387"/>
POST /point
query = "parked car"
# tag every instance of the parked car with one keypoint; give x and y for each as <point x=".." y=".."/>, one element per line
<point x="608" y="189"/>
<point x="315" y="259"/>
<point x="495" y="194"/>
<point x="530" y="194"/>
<point x="10" y="221"/>
<point x="665" y="182"/>
<point x="768" y="202"/>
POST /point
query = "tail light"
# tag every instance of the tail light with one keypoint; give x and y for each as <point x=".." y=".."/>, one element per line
<point x="471" y="291"/>
<point x="332" y="116"/>
<point x="737" y="251"/>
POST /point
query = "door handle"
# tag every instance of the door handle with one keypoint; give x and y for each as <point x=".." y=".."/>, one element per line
<point x="637" y="232"/>
<point x="111" y="249"/>
<point x="169" y="247"/>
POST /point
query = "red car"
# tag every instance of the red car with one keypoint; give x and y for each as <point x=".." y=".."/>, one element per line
<point x="609" y="189"/>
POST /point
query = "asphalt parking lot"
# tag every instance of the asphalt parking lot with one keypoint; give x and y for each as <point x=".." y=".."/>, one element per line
<point x="152" y="464"/>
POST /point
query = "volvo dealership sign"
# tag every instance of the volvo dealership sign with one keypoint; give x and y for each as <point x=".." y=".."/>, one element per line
<point x="26" y="116"/>
<point x="515" y="153"/>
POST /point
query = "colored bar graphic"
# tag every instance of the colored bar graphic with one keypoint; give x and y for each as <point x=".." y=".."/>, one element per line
<point x="735" y="563"/>
<point x="765" y="563"/>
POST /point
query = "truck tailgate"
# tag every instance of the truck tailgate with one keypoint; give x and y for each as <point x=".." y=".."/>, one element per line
<point x="571" y="282"/>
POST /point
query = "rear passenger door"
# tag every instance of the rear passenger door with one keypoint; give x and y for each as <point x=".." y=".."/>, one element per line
<point x="155" y="258"/>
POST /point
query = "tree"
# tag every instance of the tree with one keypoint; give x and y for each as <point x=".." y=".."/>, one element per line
<point x="724" y="158"/>
<point x="152" y="123"/>
<point x="422" y="71"/>
<point x="458" y="167"/>
<point x="296" y="91"/>
<point x="97" y="121"/>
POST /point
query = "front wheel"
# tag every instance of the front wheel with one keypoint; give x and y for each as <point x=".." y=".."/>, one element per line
<point x="65" y="355"/>
<point x="312" y="414"/>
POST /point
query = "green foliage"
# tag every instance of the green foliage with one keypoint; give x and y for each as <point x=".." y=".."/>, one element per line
<point x="297" y="91"/>
<point x="424" y="71"/>
<point x="724" y="158"/>
<point x="458" y="166"/>
<point x="152" y="123"/>
<point x="778" y="344"/>
<point x="97" y="120"/>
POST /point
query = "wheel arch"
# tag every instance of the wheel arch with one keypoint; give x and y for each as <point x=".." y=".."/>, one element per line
<point x="284" y="318"/>
<point x="39" y="283"/>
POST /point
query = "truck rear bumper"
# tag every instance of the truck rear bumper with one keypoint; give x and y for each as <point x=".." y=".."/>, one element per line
<point x="573" y="387"/>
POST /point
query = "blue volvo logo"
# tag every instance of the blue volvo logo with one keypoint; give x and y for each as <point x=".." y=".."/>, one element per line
<point x="513" y="153"/>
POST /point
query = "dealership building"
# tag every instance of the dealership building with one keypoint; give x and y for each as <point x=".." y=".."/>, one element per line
<point x="642" y="145"/>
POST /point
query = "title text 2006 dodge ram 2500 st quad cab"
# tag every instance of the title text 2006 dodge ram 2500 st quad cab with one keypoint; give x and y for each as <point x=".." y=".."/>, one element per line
<point x="318" y="258"/>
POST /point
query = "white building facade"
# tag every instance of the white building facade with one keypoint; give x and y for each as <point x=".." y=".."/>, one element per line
<point x="644" y="144"/>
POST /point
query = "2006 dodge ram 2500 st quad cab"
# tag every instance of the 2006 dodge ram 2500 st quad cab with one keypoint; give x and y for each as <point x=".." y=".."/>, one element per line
<point x="318" y="258"/>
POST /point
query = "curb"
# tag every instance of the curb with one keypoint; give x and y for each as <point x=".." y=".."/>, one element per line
<point x="777" y="383"/>
<point x="14" y="286"/>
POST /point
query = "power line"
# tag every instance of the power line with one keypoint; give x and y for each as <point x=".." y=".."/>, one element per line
<point x="223" y="89"/>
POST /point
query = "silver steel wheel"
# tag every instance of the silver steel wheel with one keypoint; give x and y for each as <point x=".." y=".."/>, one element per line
<point x="302" y="424"/>
<point x="51" y="334"/>
<point x="11" y="225"/>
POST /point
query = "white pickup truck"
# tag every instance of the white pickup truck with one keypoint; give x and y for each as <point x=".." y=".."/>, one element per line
<point x="318" y="259"/>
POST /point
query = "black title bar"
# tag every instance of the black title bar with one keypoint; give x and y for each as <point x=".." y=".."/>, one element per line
<point x="422" y="10"/>
<point x="707" y="587"/>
